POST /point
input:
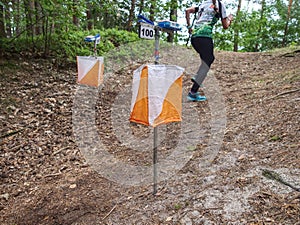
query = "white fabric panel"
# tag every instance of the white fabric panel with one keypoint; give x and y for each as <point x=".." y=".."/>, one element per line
<point x="85" y="64"/>
<point x="135" y="85"/>
<point x="160" y="78"/>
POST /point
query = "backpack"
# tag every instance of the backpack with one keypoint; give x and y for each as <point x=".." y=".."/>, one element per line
<point x="218" y="15"/>
<point x="217" y="9"/>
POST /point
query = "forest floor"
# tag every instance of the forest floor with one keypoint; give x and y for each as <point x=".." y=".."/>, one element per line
<point x="52" y="172"/>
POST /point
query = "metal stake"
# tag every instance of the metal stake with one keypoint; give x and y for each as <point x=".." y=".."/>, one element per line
<point x="155" y="162"/>
<point x="155" y="131"/>
<point x="156" y="53"/>
<point x="95" y="48"/>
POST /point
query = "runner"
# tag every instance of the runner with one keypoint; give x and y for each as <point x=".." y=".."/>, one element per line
<point x="207" y="15"/>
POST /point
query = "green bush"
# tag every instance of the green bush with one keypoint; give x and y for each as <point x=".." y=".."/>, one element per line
<point x="72" y="44"/>
<point x="67" y="45"/>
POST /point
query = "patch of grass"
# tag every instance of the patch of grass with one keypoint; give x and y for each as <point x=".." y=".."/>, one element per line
<point x="275" y="138"/>
<point x="292" y="76"/>
<point x="5" y="102"/>
<point x="177" y="206"/>
<point x="191" y="148"/>
<point x="282" y="51"/>
<point x="8" y="68"/>
<point x="9" y="65"/>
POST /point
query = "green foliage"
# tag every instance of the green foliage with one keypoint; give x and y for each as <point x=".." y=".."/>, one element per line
<point x="67" y="45"/>
<point x="275" y="138"/>
<point x="177" y="206"/>
<point x="261" y="30"/>
<point x="223" y="39"/>
<point x="72" y="44"/>
<point x="61" y="37"/>
<point x="119" y="37"/>
<point x="138" y="51"/>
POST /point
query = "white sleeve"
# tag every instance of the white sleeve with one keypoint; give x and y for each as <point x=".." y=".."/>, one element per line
<point x="223" y="10"/>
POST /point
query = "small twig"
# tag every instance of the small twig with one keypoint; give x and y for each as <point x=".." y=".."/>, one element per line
<point x="107" y="215"/>
<point x="15" y="148"/>
<point x="275" y="176"/>
<point x="11" y="133"/>
<point x="58" y="151"/>
<point x="283" y="93"/>
<point x="53" y="174"/>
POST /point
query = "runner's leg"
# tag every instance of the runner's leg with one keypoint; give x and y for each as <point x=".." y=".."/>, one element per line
<point x="204" y="46"/>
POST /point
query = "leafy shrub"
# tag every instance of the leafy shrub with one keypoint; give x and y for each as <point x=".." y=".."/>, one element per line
<point x="72" y="44"/>
<point x="67" y="45"/>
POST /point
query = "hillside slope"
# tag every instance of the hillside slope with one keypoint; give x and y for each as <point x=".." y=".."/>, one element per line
<point x="247" y="130"/>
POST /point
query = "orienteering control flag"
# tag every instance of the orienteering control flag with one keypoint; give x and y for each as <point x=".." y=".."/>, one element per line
<point x="90" y="70"/>
<point x="156" y="94"/>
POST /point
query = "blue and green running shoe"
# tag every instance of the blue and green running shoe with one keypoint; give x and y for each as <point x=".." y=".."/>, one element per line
<point x="196" y="97"/>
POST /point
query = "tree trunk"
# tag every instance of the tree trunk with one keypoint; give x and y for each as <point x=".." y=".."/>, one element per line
<point x="7" y="23"/>
<point x="152" y="10"/>
<point x="29" y="9"/>
<point x="17" y="16"/>
<point x="258" y="39"/>
<point x="287" y="23"/>
<point x="141" y="6"/>
<point x="89" y="16"/>
<point x="236" y="29"/>
<point x="2" y="24"/>
<point x="173" y="17"/>
<point x="131" y="15"/>
<point x="38" y="18"/>
<point x="75" y="18"/>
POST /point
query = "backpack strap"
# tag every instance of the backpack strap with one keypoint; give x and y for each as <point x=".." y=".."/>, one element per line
<point x="218" y="9"/>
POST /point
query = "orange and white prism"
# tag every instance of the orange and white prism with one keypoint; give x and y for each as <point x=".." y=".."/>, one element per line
<point x="90" y="70"/>
<point x="156" y="94"/>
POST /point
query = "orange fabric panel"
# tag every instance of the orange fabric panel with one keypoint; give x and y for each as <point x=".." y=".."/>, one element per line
<point x="139" y="113"/>
<point x="91" y="78"/>
<point x="172" y="106"/>
<point x="101" y="78"/>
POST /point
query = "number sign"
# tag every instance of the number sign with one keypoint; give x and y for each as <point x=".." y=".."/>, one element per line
<point x="146" y="31"/>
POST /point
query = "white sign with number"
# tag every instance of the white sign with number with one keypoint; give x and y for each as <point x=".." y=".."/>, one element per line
<point x="146" y="31"/>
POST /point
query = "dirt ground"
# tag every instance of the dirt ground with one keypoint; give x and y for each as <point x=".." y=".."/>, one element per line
<point x="249" y="125"/>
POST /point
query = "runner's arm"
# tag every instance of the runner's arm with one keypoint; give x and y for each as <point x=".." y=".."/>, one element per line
<point x="226" y="22"/>
<point x="188" y="12"/>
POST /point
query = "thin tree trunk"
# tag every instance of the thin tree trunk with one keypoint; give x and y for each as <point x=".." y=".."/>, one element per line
<point x="29" y="9"/>
<point x="7" y="23"/>
<point x="173" y="17"/>
<point x="89" y="16"/>
<point x="131" y="15"/>
<point x="75" y="18"/>
<point x="17" y="15"/>
<point x="2" y="24"/>
<point x="258" y="39"/>
<point x="141" y="6"/>
<point x="38" y="16"/>
<point x="152" y="10"/>
<point x="287" y="23"/>
<point x="46" y="36"/>
<point x="236" y="29"/>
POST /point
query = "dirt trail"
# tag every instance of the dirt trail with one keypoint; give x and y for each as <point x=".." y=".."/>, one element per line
<point x="45" y="178"/>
